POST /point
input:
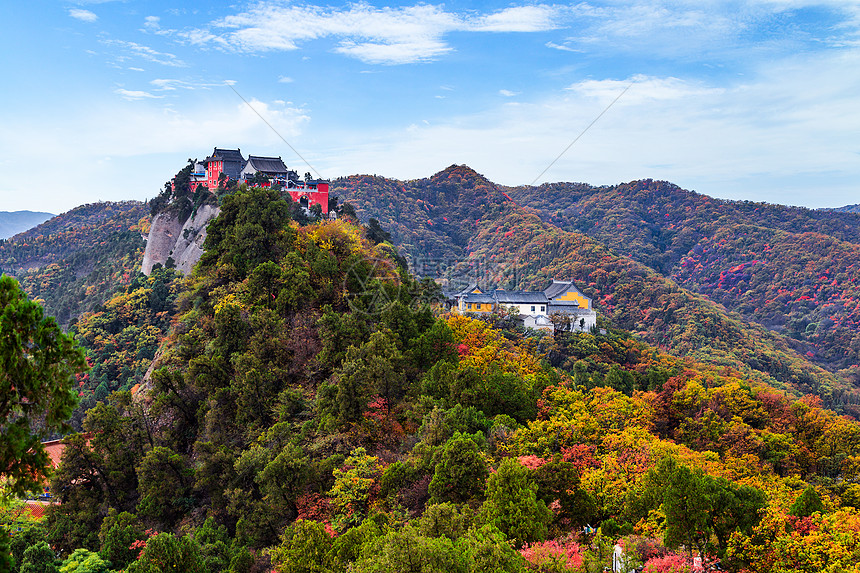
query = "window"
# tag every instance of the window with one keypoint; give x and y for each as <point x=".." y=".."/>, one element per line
<point x="470" y="306"/>
<point x="533" y="309"/>
<point x="543" y="309"/>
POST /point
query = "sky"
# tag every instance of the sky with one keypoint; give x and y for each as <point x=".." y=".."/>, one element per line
<point x="106" y="100"/>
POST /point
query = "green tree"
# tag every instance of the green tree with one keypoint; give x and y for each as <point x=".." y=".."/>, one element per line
<point x="698" y="506"/>
<point x="250" y="230"/>
<point x="446" y="519"/>
<point x="118" y="532"/>
<point x="460" y="473"/>
<point x="352" y="485"/>
<point x="560" y="481"/>
<point x="513" y="506"/>
<point x="164" y="479"/>
<point x="37" y="368"/>
<point x="373" y="368"/>
<point x="97" y="472"/>
<point x="375" y="233"/>
<point x="408" y="552"/>
<point x="85" y="561"/>
<point x="282" y="479"/>
<point x="304" y="548"/>
<point x="214" y="543"/>
<point x="167" y="552"/>
<point x="39" y="558"/>
<point x="24" y="536"/>
<point x="490" y="552"/>
<point x="807" y="503"/>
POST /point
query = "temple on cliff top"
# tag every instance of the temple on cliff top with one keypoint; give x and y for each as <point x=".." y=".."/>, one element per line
<point x="225" y="165"/>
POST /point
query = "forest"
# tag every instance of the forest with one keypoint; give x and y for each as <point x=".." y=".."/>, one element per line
<point x="459" y="227"/>
<point x="75" y="262"/>
<point x="302" y="402"/>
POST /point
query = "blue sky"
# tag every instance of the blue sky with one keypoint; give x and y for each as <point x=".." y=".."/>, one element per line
<point x="105" y="100"/>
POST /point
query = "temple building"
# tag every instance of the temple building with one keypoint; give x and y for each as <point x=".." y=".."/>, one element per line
<point x="561" y="306"/>
<point x="225" y="165"/>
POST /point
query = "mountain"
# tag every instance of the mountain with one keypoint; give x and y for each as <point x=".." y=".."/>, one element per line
<point x="459" y="227"/>
<point x="847" y="209"/>
<point x="75" y="261"/>
<point x="774" y="265"/>
<point x="309" y="406"/>
<point x="14" y="222"/>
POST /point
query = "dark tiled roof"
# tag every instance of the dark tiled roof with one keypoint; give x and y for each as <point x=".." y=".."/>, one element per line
<point x="268" y="164"/>
<point x="557" y="288"/>
<point x="233" y="161"/>
<point x="226" y="155"/>
<point x="519" y="297"/>
<point x="478" y="298"/>
<point x="468" y="289"/>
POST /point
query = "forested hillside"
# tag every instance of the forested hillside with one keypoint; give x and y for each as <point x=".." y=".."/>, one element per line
<point x="788" y="268"/>
<point x="459" y="226"/>
<point x="310" y="412"/>
<point x="77" y="260"/>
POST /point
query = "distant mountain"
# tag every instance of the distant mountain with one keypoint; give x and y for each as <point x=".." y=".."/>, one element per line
<point x="847" y="209"/>
<point x="75" y="261"/>
<point x="14" y="222"/>
<point x="457" y="226"/>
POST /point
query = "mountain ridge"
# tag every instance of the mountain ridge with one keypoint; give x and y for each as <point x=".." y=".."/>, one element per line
<point x="14" y="222"/>
<point x="466" y="233"/>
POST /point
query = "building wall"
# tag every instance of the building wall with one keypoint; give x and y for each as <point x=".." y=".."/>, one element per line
<point x="213" y="171"/>
<point x="570" y="296"/>
<point x="527" y="308"/>
<point x="576" y="322"/>
<point x="316" y="196"/>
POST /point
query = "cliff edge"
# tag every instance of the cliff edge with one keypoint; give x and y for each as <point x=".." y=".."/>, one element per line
<point x="182" y="241"/>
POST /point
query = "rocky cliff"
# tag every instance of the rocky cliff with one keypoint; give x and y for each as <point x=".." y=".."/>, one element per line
<point x="181" y="241"/>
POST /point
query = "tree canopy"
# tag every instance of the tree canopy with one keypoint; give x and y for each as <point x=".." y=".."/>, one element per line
<point x="37" y="367"/>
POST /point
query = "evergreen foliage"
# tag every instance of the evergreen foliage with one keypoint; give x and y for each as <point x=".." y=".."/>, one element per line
<point x="37" y="368"/>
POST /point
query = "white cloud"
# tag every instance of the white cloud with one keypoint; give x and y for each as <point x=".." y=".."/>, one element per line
<point x="174" y="84"/>
<point x="285" y="80"/>
<point x="146" y="53"/>
<point x="374" y="35"/>
<point x="152" y="24"/>
<point x="642" y="88"/>
<point x="508" y="93"/>
<point x="692" y="30"/>
<point x="562" y="47"/>
<point x="143" y="137"/>
<point x="132" y="95"/>
<point x="519" y="19"/>
<point x="786" y="133"/>
<point x="83" y="15"/>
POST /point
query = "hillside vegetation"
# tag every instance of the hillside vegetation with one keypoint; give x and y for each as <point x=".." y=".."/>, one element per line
<point x="790" y="269"/>
<point x="460" y="227"/>
<point x="76" y="261"/>
<point x="310" y="412"/>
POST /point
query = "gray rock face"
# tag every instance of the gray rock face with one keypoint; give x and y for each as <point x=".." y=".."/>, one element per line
<point x="181" y="240"/>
